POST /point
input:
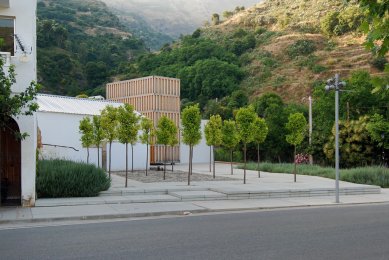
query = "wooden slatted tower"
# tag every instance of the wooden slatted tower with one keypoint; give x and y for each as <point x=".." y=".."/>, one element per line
<point x="153" y="97"/>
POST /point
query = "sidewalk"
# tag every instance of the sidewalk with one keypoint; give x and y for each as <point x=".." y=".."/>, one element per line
<point x="157" y="199"/>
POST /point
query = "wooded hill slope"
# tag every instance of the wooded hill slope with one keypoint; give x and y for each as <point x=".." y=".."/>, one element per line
<point x="280" y="46"/>
<point x="308" y="40"/>
<point x="81" y="44"/>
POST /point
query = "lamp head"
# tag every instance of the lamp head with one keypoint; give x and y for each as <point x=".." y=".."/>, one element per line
<point x="329" y="87"/>
<point x="342" y="84"/>
<point x="331" y="81"/>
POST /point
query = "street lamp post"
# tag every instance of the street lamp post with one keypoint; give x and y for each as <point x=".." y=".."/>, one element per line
<point x="334" y="83"/>
<point x="383" y="150"/>
<point x="310" y="129"/>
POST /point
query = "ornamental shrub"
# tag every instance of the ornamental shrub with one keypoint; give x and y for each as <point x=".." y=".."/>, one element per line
<point x="62" y="178"/>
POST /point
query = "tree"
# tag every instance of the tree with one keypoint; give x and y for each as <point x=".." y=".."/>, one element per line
<point x="378" y="129"/>
<point x="375" y="25"/>
<point x="260" y="133"/>
<point x="213" y="135"/>
<point x="227" y="14"/>
<point x="271" y="107"/>
<point x="147" y="136"/>
<point x="128" y="129"/>
<point x="355" y="145"/>
<point x="98" y="135"/>
<point x="215" y="19"/>
<point x="296" y="126"/>
<point x="166" y="132"/>
<point x="191" y="131"/>
<point x="245" y="118"/>
<point x="13" y="105"/>
<point x="109" y="125"/>
<point x="86" y="130"/>
<point x="230" y="138"/>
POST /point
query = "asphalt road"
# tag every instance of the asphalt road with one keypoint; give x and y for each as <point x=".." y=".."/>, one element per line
<point x="347" y="232"/>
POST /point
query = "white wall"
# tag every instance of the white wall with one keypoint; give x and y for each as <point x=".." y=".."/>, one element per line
<point x="27" y="124"/>
<point x="25" y="28"/>
<point x="62" y="130"/>
<point x="200" y="151"/>
<point x="119" y="156"/>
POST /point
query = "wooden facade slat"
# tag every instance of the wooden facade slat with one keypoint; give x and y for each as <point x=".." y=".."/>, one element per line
<point x="152" y="97"/>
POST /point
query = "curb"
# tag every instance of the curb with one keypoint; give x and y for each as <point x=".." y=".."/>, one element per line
<point x="102" y="217"/>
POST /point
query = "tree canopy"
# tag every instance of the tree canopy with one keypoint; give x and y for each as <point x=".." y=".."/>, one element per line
<point x="12" y="104"/>
<point x="376" y="25"/>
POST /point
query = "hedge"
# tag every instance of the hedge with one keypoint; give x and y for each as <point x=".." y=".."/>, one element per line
<point x="61" y="179"/>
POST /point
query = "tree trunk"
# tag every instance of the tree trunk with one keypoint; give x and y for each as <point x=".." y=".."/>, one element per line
<point x="213" y="150"/>
<point x="259" y="171"/>
<point x="164" y="165"/>
<point x="244" y="170"/>
<point x="147" y="157"/>
<point x="232" y="155"/>
<point x="110" y="156"/>
<point x="87" y="155"/>
<point x="190" y="160"/>
<point x="191" y="157"/>
<point x="294" y="163"/>
<point x="172" y="159"/>
<point x="98" y="156"/>
<point x="210" y="157"/>
<point x="126" y="164"/>
<point x="132" y="158"/>
<point x="279" y="159"/>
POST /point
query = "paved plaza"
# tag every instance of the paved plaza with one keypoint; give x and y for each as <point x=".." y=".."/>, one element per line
<point x="272" y="190"/>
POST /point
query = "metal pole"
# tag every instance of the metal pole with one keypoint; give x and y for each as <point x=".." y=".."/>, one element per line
<point x="310" y="128"/>
<point x="337" y="138"/>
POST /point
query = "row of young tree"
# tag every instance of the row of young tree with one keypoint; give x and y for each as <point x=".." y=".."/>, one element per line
<point x="363" y="114"/>
<point x="248" y="128"/>
<point x="123" y="124"/>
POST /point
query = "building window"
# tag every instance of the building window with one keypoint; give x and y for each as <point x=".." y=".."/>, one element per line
<point x="7" y="30"/>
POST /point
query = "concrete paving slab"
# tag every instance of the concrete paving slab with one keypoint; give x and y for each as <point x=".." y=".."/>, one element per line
<point x="68" y="201"/>
<point x="64" y="212"/>
<point x="156" y="207"/>
<point x="193" y="195"/>
<point x="152" y="198"/>
<point x="12" y="213"/>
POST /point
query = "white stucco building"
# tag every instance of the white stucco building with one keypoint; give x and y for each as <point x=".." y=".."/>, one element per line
<point x="17" y="158"/>
<point x="58" y="121"/>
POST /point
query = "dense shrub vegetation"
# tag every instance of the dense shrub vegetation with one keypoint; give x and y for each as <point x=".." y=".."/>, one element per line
<point x="301" y="48"/>
<point x="338" y="23"/>
<point x="61" y="179"/>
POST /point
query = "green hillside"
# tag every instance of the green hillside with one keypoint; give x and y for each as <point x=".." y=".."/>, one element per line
<point x="273" y="56"/>
<point x="279" y="46"/>
<point x="81" y="45"/>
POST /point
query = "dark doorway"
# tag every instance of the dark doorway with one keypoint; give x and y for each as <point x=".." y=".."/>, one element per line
<point x="10" y="165"/>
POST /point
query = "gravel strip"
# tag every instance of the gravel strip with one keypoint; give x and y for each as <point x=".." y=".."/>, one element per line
<point x="176" y="176"/>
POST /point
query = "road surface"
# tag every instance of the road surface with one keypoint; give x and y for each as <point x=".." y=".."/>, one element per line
<point x="346" y="232"/>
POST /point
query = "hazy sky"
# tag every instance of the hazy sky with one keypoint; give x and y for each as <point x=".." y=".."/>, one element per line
<point x="177" y="16"/>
